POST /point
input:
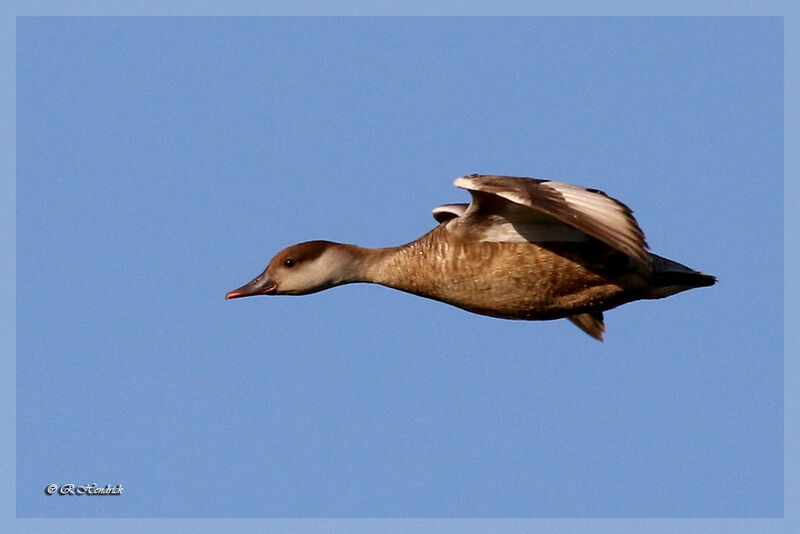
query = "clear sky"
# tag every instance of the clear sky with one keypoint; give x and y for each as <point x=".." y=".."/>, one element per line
<point x="161" y="163"/>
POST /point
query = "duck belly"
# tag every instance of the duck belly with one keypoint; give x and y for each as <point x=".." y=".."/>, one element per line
<point x="536" y="294"/>
<point x="525" y="281"/>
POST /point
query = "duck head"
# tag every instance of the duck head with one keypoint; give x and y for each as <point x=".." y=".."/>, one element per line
<point x="302" y="269"/>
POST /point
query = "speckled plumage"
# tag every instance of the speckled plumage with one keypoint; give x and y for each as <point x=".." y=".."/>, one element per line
<point x="506" y="280"/>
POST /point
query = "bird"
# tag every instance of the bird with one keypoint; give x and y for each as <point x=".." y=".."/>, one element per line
<point x="523" y="248"/>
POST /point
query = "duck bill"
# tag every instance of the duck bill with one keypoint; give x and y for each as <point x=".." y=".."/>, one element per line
<point x="261" y="285"/>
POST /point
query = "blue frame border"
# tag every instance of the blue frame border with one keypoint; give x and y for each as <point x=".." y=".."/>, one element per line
<point x="14" y="8"/>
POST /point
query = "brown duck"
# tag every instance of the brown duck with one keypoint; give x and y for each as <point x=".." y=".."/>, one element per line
<point x="522" y="249"/>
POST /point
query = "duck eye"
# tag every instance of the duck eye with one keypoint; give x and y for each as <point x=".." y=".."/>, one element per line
<point x="288" y="263"/>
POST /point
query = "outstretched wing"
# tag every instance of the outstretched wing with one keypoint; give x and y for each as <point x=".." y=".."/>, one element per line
<point x="509" y="208"/>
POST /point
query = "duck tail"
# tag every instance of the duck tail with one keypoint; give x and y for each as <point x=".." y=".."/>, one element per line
<point x="670" y="277"/>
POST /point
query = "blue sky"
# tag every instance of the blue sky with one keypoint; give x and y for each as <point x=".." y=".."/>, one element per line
<point x="161" y="162"/>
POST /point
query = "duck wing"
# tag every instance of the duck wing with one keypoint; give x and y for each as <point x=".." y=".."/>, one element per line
<point x="446" y="212"/>
<point x="506" y="208"/>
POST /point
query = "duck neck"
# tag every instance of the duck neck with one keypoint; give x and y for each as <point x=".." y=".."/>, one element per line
<point x="367" y="264"/>
<point x="397" y="267"/>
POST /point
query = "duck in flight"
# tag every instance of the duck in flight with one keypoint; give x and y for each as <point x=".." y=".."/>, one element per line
<point x="524" y="248"/>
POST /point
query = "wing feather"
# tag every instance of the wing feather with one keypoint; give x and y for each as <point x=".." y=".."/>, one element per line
<point x="446" y="212"/>
<point x="589" y="210"/>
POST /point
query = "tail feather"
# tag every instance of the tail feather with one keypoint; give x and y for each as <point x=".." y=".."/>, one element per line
<point x="670" y="277"/>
